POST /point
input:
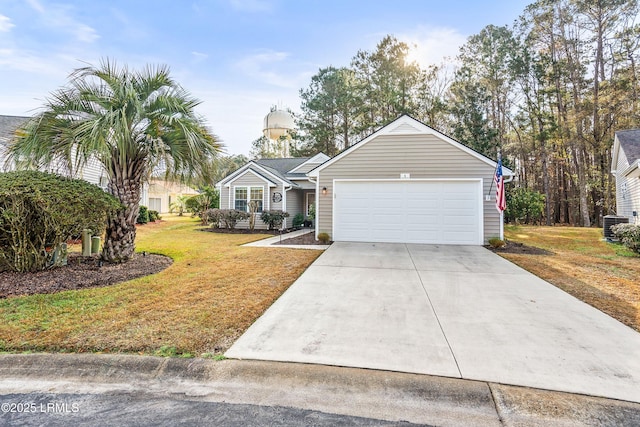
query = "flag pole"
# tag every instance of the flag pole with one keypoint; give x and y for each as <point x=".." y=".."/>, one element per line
<point x="501" y="211"/>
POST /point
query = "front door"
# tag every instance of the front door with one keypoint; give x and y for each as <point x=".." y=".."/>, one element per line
<point x="309" y="202"/>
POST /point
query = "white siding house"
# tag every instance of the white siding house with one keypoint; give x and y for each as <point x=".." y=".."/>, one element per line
<point x="625" y="166"/>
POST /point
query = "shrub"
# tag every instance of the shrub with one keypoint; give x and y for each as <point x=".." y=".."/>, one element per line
<point x="298" y="220"/>
<point x="324" y="238"/>
<point x="40" y="211"/>
<point x="628" y="234"/>
<point x="154" y="216"/>
<point x="230" y="217"/>
<point x="524" y="206"/>
<point x="143" y="215"/>
<point x="208" y="199"/>
<point x="274" y="219"/>
<point x="496" y="242"/>
<point x="213" y="217"/>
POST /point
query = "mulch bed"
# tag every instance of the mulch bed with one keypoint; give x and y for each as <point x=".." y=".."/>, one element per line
<point x="519" y="248"/>
<point x="80" y="273"/>
<point x="305" y="239"/>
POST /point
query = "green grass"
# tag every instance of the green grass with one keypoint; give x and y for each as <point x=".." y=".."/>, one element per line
<point x="602" y="274"/>
<point x="213" y="291"/>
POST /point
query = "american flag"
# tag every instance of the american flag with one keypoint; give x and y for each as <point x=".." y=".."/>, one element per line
<point x="501" y="202"/>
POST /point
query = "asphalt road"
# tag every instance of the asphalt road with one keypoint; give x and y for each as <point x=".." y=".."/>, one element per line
<point x="115" y="390"/>
<point x="139" y="409"/>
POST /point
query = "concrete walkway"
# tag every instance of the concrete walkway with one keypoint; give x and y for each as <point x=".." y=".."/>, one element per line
<point x="273" y="241"/>
<point x="454" y="311"/>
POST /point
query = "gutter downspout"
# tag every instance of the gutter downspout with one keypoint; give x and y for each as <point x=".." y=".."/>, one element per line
<point x="317" y="203"/>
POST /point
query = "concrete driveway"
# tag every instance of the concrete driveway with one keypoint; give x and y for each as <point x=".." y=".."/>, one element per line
<point x="454" y="311"/>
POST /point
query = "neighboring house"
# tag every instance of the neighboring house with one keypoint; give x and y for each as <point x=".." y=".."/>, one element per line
<point x="8" y="127"/>
<point x="275" y="184"/>
<point x="159" y="194"/>
<point x="625" y="166"/>
<point x="92" y="172"/>
<point x="405" y="183"/>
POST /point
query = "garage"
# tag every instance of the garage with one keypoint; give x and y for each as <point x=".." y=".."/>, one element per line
<point x="429" y="211"/>
<point x="408" y="183"/>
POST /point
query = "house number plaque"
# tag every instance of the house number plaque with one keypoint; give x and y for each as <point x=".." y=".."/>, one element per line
<point x="277" y="197"/>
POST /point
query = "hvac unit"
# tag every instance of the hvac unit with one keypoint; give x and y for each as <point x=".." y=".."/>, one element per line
<point x="610" y="220"/>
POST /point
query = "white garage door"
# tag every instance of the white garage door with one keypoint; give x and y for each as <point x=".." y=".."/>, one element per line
<point x="437" y="212"/>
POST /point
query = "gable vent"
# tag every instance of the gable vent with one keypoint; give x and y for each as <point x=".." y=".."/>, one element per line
<point x="405" y="128"/>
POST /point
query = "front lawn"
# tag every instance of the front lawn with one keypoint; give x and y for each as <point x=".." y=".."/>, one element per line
<point x="602" y="274"/>
<point x="202" y="303"/>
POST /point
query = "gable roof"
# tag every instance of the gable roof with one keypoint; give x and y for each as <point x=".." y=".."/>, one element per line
<point x="9" y="125"/>
<point x="282" y="166"/>
<point x="407" y="125"/>
<point x="629" y="142"/>
<point x="282" y="169"/>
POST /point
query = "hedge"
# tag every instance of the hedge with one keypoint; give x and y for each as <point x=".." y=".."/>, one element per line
<point x="40" y="211"/>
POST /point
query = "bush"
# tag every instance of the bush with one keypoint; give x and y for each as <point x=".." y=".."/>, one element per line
<point x="230" y="217"/>
<point x="274" y="219"/>
<point x="298" y="220"/>
<point x="213" y="217"/>
<point x="154" y="216"/>
<point x="40" y="211"/>
<point x="143" y="215"/>
<point x="524" y="206"/>
<point x="208" y="199"/>
<point x="496" y="242"/>
<point x="628" y="234"/>
<point x="324" y="238"/>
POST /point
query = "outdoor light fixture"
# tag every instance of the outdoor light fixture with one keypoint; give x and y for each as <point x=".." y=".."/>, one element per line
<point x="324" y="191"/>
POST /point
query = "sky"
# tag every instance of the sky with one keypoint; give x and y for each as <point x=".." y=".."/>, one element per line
<point x="239" y="57"/>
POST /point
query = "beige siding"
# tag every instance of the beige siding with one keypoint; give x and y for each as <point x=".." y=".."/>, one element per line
<point x="421" y="156"/>
<point x="249" y="180"/>
<point x="224" y="197"/>
<point x="307" y="167"/>
<point x="272" y="206"/>
<point x="294" y="204"/>
<point x="627" y="190"/>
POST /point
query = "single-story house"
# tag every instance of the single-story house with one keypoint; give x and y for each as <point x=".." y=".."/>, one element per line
<point x="158" y="194"/>
<point x="625" y="166"/>
<point x="275" y="184"/>
<point x="405" y="183"/>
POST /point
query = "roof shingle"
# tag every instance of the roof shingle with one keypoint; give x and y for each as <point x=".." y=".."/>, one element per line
<point x="630" y="143"/>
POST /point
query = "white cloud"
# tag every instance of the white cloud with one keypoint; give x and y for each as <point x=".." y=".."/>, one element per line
<point x="5" y="24"/>
<point x="199" y="56"/>
<point x="252" y="6"/>
<point x="429" y="46"/>
<point x="60" y="17"/>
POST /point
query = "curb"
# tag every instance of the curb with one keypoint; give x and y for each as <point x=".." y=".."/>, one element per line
<point x="389" y="396"/>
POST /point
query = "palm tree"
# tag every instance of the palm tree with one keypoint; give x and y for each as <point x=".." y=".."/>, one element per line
<point x="132" y="122"/>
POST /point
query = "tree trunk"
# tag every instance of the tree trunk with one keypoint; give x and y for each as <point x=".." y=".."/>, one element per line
<point x="119" y="244"/>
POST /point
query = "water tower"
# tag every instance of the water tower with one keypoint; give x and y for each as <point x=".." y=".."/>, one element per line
<point x="278" y="125"/>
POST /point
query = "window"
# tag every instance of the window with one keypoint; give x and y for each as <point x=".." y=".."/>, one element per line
<point x="256" y="196"/>
<point x="244" y="195"/>
<point x="241" y="199"/>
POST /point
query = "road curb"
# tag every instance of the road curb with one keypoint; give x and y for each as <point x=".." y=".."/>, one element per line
<point x="390" y="396"/>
